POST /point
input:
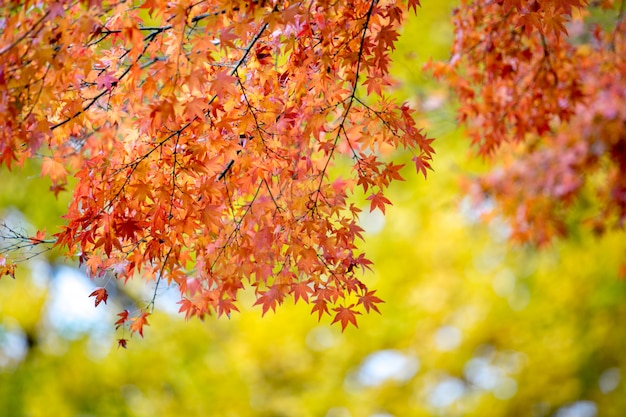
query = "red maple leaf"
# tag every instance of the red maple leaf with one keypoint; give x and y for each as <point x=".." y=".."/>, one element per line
<point x="107" y="81"/>
<point x="57" y="188"/>
<point x="123" y="318"/>
<point x="422" y="165"/>
<point x="100" y="294"/>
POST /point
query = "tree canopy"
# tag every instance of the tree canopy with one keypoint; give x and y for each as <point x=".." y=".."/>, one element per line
<point x="547" y="79"/>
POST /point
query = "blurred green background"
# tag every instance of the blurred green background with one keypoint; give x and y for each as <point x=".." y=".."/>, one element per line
<point x="472" y="326"/>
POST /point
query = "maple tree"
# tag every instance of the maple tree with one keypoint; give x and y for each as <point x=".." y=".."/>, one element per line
<point x="541" y="86"/>
<point x="202" y="134"/>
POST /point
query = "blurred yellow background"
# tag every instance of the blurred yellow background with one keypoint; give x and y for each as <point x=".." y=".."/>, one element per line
<point x="471" y="326"/>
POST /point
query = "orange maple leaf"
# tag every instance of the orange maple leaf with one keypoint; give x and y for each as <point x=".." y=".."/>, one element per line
<point x="270" y="299"/>
<point x="369" y="301"/>
<point x="55" y="170"/>
<point x="196" y="108"/>
<point x="224" y="84"/>
<point x="6" y="268"/>
<point x="138" y="322"/>
<point x="301" y="290"/>
<point x="345" y="315"/>
<point x="188" y="307"/>
<point x="225" y="306"/>
<point x="39" y="237"/>
<point x="378" y="201"/>
<point x="321" y="306"/>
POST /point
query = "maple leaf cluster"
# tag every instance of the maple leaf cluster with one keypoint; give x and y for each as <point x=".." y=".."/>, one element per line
<point x="541" y="85"/>
<point x="201" y="135"/>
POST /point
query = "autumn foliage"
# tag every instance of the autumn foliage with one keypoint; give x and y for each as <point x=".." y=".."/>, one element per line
<point x="541" y="85"/>
<point x="202" y="135"/>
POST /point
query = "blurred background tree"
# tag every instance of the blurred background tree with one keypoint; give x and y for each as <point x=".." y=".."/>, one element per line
<point x="472" y="326"/>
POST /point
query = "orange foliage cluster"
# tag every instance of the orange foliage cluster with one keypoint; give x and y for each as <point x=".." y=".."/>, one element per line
<point x="201" y="135"/>
<point x="543" y="82"/>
